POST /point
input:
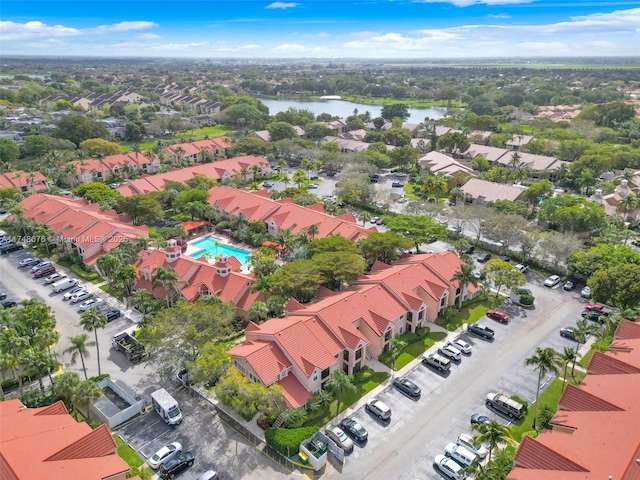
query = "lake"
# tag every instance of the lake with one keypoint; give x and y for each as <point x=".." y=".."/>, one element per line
<point x="343" y="108"/>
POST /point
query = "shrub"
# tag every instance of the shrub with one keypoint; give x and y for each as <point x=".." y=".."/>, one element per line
<point x="422" y="332"/>
<point x="287" y="441"/>
<point x="545" y="414"/>
<point x="526" y="299"/>
<point x="363" y="374"/>
<point x="523" y="402"/>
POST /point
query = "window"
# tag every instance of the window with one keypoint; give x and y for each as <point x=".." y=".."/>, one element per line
<point x="409" y="316"/>
<point x="315" y="378"/>
<point x="401" y="316"/>
<point x="325" y="373"/>
<point x="400" y="331"/>
<point x="359" y="353"/>
<point x="420" y="314"/>
<point x="387" y="335"/>
<point x="345" y="355"/>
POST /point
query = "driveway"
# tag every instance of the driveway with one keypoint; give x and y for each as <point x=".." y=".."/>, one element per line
<point x="420" y="429"/>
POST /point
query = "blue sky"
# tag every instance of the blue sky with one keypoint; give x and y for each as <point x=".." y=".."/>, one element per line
<point x="321" y="29"/>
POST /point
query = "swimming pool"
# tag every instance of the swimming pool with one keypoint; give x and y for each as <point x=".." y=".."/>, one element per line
<point x="208" y="245"/>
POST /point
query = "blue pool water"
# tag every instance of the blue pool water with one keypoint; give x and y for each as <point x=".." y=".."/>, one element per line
<point x="209" y="245"/>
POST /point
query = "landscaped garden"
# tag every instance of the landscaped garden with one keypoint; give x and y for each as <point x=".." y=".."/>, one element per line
<point x="415" y="345"/>
<point x="471" y="312"/>
<point x="131" y="458"/>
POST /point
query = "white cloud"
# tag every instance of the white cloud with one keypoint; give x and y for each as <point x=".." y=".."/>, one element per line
<point x="14" y="31"/>
<point x="397" y="41"/>
<point x="281" y="5"/>
<point x="290" y="47"/>
<point x="148" y="36"/>
<point x="122" y="27"/>
<point x="467" y="3"/>
<point x="499" y="16"/>
<point x="544" y="48"/>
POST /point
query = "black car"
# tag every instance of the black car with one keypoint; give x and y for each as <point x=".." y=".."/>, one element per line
<point x="112" y="314"/>
<point x="397" y="184"/>
<point x="8" y="303"/>
<point x="484" y="257"/>
<point x="11" y="247"/>
<point x="176" y="465"/>
<point x="568" y="332"/>
<point x="352" y="428"/>
<point x="481" y="330"/>
<point x="406" y="386"/>
<point x="331" y="174"/>
<point x="477" y="419"/>
<point x="3" y="295"/>
<point x="593" y="316"/>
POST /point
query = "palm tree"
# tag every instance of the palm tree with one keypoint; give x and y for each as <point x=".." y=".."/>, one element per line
<point x="258" y="311"/>
<point x="65" y="385"/>
<point x="125" y="278"/>
<point x="86" y="394"/>
<point x="395" y="349"/>
<point x="568" y="356"/>
<point x="167" y="278"/>
<point x="244" y="172"/>
<point x="629" y="204"/>
<point x="108" y="264"/>
<point x="14" y="345"/>
<point x="79" y="346"/>
<point x="340" y="384"/>
<point x="91" y="321"/>
<point x="464" y="277"/>
<point x="544" y="360"/>
<point x="493" y="434"/>
<point x="36" y="361"/>
<point x="313" y="231"/>
<point x="144" y="302"/>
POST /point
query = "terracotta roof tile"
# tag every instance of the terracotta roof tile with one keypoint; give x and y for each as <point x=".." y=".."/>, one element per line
<point x="627" y="330"/>
<point x="294" y="392"/>
<point x="607" y="364"/>
<point x="579" y="400"/>
<point x="534" y="455"/>
<point x="265" y="358"/>
<point x="96" y="443"/>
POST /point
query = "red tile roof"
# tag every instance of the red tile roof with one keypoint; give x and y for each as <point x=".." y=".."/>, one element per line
<point x="266" y="359"/>
<point x="48" y="443"/>
<point x="18" y="179"/>
<point x="607" y="364"/>
<point x="216" y="170"/>
<point x="294" y="392"/>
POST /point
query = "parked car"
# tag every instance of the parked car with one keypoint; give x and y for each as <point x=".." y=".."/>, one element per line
<point x="552" y="281"/>
<point x="407" y="387"/>
<point x="73" y="291"/>
<point x="28" y="262"/>
<point x="209" y="475"/>
<point x="523" y="267"/>
<point x="448" y="467"/>
<point x="483" y="257"/>
<point x="593" y="316"/>
<point x="477" y="419"/>
<point x="54" y="278"/>
<point x="568" y="286"/>
<point x="481" y="330"/>
<point x="112" y="314"/>
<point x="463" y="346"/>
<point x="44" y="271"/>
<point x="378" y="408"/>
<point x="312" y="186"/>
<point x="340" y="438"/>
<point x="600" y="308"/>
<point x="438" y="361"/>
<point x="40" y="266"/>
<point x="450" y="352"/>
<point x="585" y="292"/>
<point x="94" y="302"/>
<point x="397" y="185"/>
<point x="11" y="247"/>
<point x="8" y="303"/>
<point x="81" y="296"/>
<point x="469" y="442"/>
<point x="460" y="454"/>
<point x="498" y="315"/>
<point x="374" y="220"/>
<point x="568" y="332"/>
<point x="267" y="184"/>
<point x="176" y="465"/>
<point x="3" y="295"/>
<point x="165" y="454"/>
<point x="351" y="427"/>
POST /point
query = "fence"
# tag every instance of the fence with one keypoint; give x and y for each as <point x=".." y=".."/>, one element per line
<point x="257" y="442"/>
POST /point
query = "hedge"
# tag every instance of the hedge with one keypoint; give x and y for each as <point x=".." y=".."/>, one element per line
<point x="287" y="440"/>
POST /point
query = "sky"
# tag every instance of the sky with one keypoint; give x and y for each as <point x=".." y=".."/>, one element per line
<point x="411" y="29"/>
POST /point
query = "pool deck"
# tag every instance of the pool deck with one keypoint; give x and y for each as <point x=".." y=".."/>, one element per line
<point x="192" y="250"/>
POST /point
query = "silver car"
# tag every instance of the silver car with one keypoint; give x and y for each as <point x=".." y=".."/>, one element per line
<point x="73" y="291"/>
<point x="340" y="438"/>
<point x="81" y="296"/>
<point x="91" y="303"/>
<point x="451" y="352"/>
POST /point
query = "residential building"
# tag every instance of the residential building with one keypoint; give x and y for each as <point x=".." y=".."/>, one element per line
<point x="482" y="192"/>
<point x="594" y="435"/>
<point x="441" y="164"/>
<point x="283" y="214"/>
<point x="229" y="169"/>
<point x="613" y="203"/>
<point x="198" y="277"/>
<point x="24" y="181"/>
<point x="348" y="145"/>
<point x="265" y="136"/>
<point x="540" y="166"/>
<point x="341" y="330"/>
<point x="80" y="225"/>
<point x="99" y="169"/>
<point x="518" y="141"/>
<point x="49" y="443"/>
<point x="201" y="151"/>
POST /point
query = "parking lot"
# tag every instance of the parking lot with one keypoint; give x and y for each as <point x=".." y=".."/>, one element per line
<point x="405" y="447"/>
<point x="216" y="446"/>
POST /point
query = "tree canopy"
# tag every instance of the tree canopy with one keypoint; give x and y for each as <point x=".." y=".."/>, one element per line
<point x="418" y="229"/>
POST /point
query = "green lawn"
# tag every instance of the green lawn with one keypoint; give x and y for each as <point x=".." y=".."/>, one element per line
<point x="408" y="192"/>
<point x="584" y="361"/>
<point x="471" y="313"/>
<point x="195" y="134"/>
<point x="417" y="348"/>
<point x="111" y="291"/>
<point x="362" y="388"/>
<point x="131" y="458"/>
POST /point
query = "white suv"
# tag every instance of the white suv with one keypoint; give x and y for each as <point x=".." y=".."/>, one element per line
<point x="451" y="352"/>
<point x="378" y="408"/>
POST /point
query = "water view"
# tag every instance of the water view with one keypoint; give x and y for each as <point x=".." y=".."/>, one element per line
<point x="214" y="247"/>
<point x="343" y="109"/>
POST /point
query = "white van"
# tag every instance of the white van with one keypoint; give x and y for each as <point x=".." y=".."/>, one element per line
<point x="166" y="406"/>
<point x="64" y="284"/>
<point x="460" y="454"/>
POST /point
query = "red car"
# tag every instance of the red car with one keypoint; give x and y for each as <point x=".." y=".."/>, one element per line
<point x="498" y="315"/>
<point x="45" y="272"/>
<point x="598" y="308"/>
